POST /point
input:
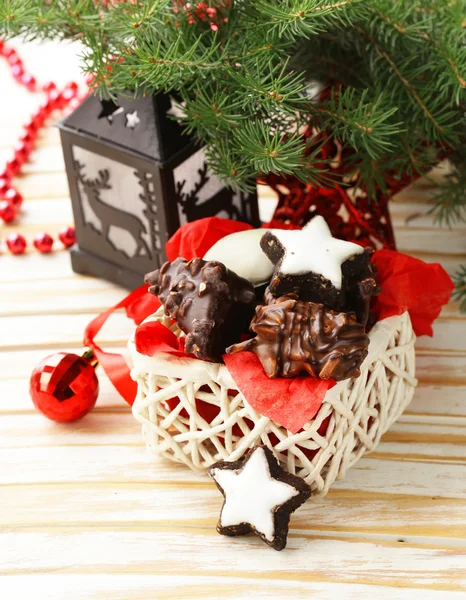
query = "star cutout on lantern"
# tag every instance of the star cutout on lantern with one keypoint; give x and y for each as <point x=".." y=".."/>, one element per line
<point x="312" y="249"/>
<point x="132" y="119"/>
<point x="259" y="496"/>
<point x="109" y="110"/>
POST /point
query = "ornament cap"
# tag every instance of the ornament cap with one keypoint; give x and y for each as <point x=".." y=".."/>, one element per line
<point x="88" y="355"/>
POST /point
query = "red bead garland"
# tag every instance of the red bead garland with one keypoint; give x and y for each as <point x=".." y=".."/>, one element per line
<point x="10" y="199"/>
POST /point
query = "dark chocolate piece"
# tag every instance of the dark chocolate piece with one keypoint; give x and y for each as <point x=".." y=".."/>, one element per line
<point x="210" y="303"/>
<point x="311" y="287"/>
<point x="295" y="336"/>
<point x="251" y="482"/>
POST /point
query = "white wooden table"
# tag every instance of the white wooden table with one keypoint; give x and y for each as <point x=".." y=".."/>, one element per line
<point x="86" y="512"/>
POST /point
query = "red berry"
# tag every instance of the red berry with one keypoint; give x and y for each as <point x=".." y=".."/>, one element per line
<point x="16" y="243"/>
<point x="2" y="46"/>
<point x="14" y="197"/>
<point x="43" y="242"/>
<point x="29" y="81"/>
<point x="90" y="79"/>
<point x="72" y="85"/>
<point x="67" y="236"/>
<point x="4" y="186"/>
<point x="7" y="211"/>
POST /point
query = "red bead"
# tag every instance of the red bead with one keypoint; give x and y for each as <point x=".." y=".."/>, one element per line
<point x="16" y="243"/>
<point x="48" y="87"/>
<point x="67" y="236"/>
<point x="7" y="211"/>
<point x="14" y="197"/>
<point x="13" y="58"/>
<point x="13" y="167"/>
<point x="64" y="387"/>
<point x="27" y="142"/>
<point x="2" y="46"/>
<point x="90" y="79"/>
<point x="43" y="242"/>
<point x="72" y="85"/>
<point x="4" y="186"/>
<point x="29" y="81"/>
<point x="74" y="103"/>
<point x="56" y="99"/>
<point x="69" y="94"/>
<point x="8" y="51"/>
<point x="32" y="127"/>
<point x="22" y="153"/>
<point x="17" y="71"/>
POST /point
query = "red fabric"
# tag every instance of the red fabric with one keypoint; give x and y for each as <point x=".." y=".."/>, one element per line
<point x="192" y="240"/>
<point x="290" y="402"/>
<point x="409" y="284"/>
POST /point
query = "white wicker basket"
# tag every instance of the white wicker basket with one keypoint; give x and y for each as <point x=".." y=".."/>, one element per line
<point x="358" y="411"/>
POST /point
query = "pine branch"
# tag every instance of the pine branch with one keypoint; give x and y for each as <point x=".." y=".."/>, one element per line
<point x="459" y="293"/>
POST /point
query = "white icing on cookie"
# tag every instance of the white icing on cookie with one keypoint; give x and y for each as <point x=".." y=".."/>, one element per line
<point x="313" y="249"/>
<point x="252" y="495"/>
<point x="241" y="252"/>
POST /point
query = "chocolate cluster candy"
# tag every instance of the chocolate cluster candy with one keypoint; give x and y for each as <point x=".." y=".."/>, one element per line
<point x="320" y="268"/>
<point x="210" y="303"/>
<point x="294" y="336"/>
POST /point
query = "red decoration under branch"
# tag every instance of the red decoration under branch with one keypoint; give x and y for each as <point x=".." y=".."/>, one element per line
<point x="348" y="210"/>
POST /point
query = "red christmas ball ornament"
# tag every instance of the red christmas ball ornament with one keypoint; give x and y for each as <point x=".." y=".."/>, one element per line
<point x="16" y="243"/>
<point x="43" y="242"/>
<point x="7" y="211"/>
<point x="67" y="236"/>
<point x="64" y="387"/>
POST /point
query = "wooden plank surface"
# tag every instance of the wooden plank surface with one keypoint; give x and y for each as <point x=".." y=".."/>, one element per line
<point x="88" y="513"/>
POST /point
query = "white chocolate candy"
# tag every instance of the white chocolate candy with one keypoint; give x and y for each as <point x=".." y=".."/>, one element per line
<point x="241" y="252"/>
<point x="314" y="250"/>
<point x="252" y="495"/>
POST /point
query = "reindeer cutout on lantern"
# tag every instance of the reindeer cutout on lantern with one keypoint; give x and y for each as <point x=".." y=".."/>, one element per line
<point x="111" y="216"/>
<point x="194" y="208"/>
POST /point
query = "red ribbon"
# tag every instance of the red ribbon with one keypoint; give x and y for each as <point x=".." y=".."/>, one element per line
<point x="138" y="305"/>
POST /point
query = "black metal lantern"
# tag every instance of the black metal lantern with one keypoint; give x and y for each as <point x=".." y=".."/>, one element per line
<point x="134" y="179"/>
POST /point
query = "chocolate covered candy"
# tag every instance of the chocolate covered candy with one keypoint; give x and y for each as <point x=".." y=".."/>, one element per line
<point x="259" y="496"/>
<point x="210" y="303"/>
<point x="313" y="264"/>
<point x="294" y="336"/>
<point x="241" y="252"/>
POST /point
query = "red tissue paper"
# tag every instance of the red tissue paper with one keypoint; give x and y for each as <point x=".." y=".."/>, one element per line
<point x="193" y="240"/>
<point x="153" y="337"/>
<point x="409" y="284"/>
<point x="290" y="402"/>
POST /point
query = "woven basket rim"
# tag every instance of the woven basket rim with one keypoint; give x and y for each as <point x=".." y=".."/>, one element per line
<point x="197" y="369"/>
